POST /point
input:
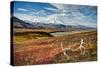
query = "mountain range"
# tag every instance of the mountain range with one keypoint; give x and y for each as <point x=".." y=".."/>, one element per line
<point x="18" y="23"/>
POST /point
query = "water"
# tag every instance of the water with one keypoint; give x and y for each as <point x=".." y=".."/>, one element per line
<point x="65" y="33"/>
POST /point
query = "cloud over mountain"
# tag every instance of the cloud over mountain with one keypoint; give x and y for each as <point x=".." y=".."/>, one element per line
<point x="57" y="13"/>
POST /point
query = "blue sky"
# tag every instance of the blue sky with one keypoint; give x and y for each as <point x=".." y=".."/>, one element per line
<point x="56" y="13"/>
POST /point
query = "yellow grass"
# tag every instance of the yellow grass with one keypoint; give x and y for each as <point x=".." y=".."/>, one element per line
<point x="48" y="50"/>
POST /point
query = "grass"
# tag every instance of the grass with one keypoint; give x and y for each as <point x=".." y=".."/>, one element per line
<point x="46" y="50"/>
<point x="88" y="56"/>
<point x="28" y="36"/>
<point x="35" y="30"/>
<point x="90" y="38"/>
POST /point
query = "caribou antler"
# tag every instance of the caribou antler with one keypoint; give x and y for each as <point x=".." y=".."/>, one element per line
<point x="69" y="48"/>
<point x="65" y="50"/>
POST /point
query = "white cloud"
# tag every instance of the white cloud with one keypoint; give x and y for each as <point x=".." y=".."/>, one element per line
<point x="72" y="9"/>
<point x="55" y="18"/>
<point x="78" y="17"/>
<point x="53" y="9"/>
<point x="60" y="18"/>
<point x="61" y="6"/>
<point x="39" y="13"/>
<point x="22" y="9"/>
<point x="29" y="17"/>
<point x="64" y="19"/>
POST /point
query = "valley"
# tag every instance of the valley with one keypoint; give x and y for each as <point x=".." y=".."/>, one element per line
<point x="51" y="33"/>
<point x="43" y="49"/>
<point x="40" y="43"/>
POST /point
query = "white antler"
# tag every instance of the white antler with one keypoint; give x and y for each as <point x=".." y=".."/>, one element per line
<point x="65" y="50"/>
<point x="82" y="47"/>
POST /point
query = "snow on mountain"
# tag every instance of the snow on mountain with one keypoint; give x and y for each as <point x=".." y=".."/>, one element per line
<point x="56" y="18"/>
<point x="61" y="18"/>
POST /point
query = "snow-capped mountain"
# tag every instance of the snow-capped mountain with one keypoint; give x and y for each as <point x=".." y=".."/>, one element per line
<point x="17" y="23"/>
<point x="61" y="18"/>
